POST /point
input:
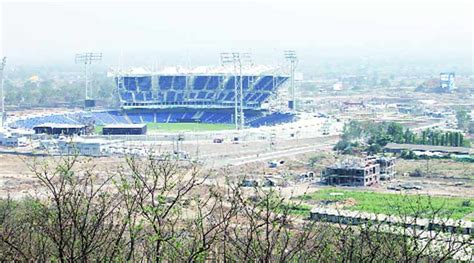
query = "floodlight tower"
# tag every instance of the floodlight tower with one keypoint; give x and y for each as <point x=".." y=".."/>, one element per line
<point x="237" y="60"/>
<point x="244" y="59"/>
<point x="290" y="55"/>
<point x="87" y="59"/>
<point x="2" y="67"/>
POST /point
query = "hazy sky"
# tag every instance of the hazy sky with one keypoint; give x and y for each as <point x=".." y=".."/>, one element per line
<point x="178" y="32"/>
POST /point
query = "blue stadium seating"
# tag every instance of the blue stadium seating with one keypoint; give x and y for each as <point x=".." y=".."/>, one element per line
<point x="254" y="118"/>
<point x="127" y="95"/>
<point x="148" y="95"/>
<point x="130" y="83"/>
<point x="138" y="89"/>
<point x="272" y="119"/>
<point x="179" y="82"/>
<point x="139" y="96"/>
<point x="160" y="96"/>
<point x="200" y="82"/>
<point x="144" y="83"/>
<point x="214" y="82"/>
<point x="170" y="96"/>
<point x="280" y="80"/>
<point x="148" y="117"/>
<point x="210" y="95"/>
<point x="202" y="95"/>
<point x="230" y="84"/>
<point x="180" y="97"/>
<point x="165" y="82"/>
<point x="264" y="83"/>
<point x="135" y="117"/>
<point x="230" y="96"/>
<point x="221" y="96"/>
<point x="246" y="82"/>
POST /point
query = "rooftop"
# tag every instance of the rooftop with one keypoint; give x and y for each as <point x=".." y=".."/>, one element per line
<point x="60" y="126"/>
<point x="127" y="126"/>
<point x="202" y="70"/>
<point x="432" y="148"/>
<point x="353" y="164"/>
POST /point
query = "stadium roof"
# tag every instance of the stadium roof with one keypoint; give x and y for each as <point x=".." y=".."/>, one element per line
<point x="60" y="126"/>
<point x="202" y="70"/>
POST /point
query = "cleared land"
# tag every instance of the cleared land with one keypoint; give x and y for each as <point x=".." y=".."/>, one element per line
<point x="438" y="168"/>
<point x="385" y="203"/>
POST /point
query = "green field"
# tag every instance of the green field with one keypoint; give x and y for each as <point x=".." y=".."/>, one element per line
<point x="181" y="127"/>
<point x="98" y="129"/>
<point x="382" y="203"/>
<point x="177" y="127"/>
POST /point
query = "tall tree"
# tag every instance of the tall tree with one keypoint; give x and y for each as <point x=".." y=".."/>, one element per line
<point x="463" y="118"/>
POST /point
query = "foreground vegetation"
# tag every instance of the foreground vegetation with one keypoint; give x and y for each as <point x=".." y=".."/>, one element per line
<point x="160" y="210"/>
<point x="385" y="203"/>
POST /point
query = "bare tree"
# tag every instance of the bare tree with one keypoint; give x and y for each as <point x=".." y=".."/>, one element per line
<point x="160" y="209"/>
<point x="75" y="219"/>
<point x="159" y="192"/>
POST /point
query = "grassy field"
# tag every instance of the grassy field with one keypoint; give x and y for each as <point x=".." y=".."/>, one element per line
<point x="391" y="203"/>
<point x="180" y="127"/>
<point x="98" y="129"/>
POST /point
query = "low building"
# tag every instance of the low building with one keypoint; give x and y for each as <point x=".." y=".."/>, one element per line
<point x="60" y="129"/>
<point x="125" y="129"/>
<point x="84" y="147"/>
<point x="353" y="172"/>
<point x="14" y="138"/>
<point x="399" y="148"/>
<point x="345" y="217"/>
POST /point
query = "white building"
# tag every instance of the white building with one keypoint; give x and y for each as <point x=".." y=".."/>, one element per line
<point x="85" y="147"/>
<point x="14" y="138"/>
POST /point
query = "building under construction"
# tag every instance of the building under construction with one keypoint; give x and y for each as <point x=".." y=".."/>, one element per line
<point x="387" y="166"/>
<point x="352" y="172"/>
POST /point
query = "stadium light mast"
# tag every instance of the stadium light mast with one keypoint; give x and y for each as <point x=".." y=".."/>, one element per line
<point x="290" y="55"/>
<point x="244" y="59"/>
<point x="237" y="60"/>
<point x="87" y="58"/>
<point x="2" y="67"/>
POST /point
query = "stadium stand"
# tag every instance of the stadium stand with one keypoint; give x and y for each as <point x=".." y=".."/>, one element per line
<point x="204" y="98"/>
<point x="191" y="89"/>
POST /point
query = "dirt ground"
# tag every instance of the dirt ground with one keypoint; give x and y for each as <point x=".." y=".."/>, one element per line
<point x="444" y="177"/>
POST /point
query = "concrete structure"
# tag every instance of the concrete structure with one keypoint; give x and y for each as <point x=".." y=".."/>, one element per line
<point x="60" y="129"/>
<point x="355" y="172"/>
<point x="446" y="81"/>
<point x="346" y="217"/>
<point x="125" y="129"/>
<point x="84" y="147"/>
<point x="387" y="167"/>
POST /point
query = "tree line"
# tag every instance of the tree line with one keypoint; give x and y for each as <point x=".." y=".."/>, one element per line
<point x="57" y="92"/>
<point x="161" y="210"/>
<point x="373" y="136"/>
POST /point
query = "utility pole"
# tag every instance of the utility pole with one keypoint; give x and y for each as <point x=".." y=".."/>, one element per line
<point x="4" y="115"/>
<point x="290" y="55"/>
